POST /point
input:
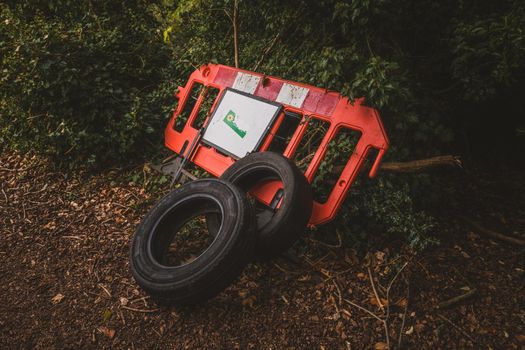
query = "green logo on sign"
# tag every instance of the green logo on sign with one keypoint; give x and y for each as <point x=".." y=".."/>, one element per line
<point x="229" y="119"/>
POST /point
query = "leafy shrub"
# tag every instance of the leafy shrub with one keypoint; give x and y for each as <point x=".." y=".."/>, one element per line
<point x="489" y="51"/>
<point x="83" y="83"/>
<point x="92" y="81"/>
<point x="417" y="62"/>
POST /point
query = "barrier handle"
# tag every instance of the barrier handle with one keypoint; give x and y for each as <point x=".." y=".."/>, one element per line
<point x="377" y="163"/>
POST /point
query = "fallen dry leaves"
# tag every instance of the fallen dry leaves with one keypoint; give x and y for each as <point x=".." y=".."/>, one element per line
<point x="380" y="346"/>
<point x="108" y="332"/>
<point x="57" y="298"/>
<point x="65" y="244"/>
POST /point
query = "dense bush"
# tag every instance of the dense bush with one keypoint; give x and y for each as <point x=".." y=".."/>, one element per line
<point x="83" y="81"/>
<point x="417" y="62"/>
<point x="92" y="80"/>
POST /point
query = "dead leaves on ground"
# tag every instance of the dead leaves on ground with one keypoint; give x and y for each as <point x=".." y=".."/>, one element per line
<point x="57" y="298"/>
<point x="108" y="332"/>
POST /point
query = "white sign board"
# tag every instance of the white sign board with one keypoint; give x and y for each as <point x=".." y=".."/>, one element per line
<point x="239" y="123"/>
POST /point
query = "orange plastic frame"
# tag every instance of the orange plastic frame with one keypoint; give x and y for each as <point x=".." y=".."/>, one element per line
<point x="319" y="103"/>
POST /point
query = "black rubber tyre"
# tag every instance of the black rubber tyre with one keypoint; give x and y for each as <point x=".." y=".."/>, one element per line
<point x="215" y="268"/>
<point x="277" y="230"/>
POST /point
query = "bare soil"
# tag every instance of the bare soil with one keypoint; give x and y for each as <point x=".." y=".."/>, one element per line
<point x="65" y="281"/>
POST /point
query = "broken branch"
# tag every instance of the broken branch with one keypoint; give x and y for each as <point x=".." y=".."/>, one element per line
<point x="139" y="310"/>
<point x="457" y="299"/>
<point x="459" y="329"/>
<point x="400" y="339"/>
<point x="383" y="321"/>
<point x="375" y="291"/>
<point x="491" y="233"/>
<point x="365" y="310"/>
<point x="422" y="164"/>
<point x="411" y="166"/>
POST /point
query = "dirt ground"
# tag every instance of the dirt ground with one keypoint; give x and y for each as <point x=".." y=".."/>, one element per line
<point x="65" y="281"/>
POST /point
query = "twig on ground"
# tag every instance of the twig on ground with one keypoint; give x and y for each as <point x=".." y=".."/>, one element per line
<point x="58" y="232"/>
<point x="400" y="339"/>
<point x="75" y="237"/>
<point x="338" y="245"/>
<point x="396" y="276"/>
<point x="284" y="270"/>
<point x="339" y="295"/>
<point x="104" y="289"/>
<point x="5" y="195"/>
<point x="387" y="316"/>
<point x="385" y="325"/>
<point x="25" y="214"/>
<point x="121" y="314"/>
<point x="379" y="303"/>
<point x="314" y="263"/>
<point x="126" y="207"/>
<point x="336" y="307"/>
<point x="459" y="329"/>
<point x="139" y="310"/>
<point x="19" y="170"/>
<point x="390" y="287"/>
<point x="457" y="299"/>
<point x="143" y="299"/>
<point x="364" y="309"/>
<point x="491" y="233"/>
<point x="37" y="191"/>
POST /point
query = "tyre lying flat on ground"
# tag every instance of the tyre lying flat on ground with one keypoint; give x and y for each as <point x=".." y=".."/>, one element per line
<point x="277" y="229"/>
<point x="209" y="271"/>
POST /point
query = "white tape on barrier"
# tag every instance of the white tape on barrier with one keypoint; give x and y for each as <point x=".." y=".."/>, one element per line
<point x="246" y="82"/>
<point x="292" y="95"/>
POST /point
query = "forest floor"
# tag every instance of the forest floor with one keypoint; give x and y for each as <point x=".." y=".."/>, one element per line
<point x="65" y="280"/>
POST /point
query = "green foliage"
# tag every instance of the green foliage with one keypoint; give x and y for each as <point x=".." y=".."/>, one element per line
<point x="83" y="83"/>
<point x="414" y="61"/>
<point x="92" y="81"/>
<point x="489" y="52"/>
<point x="393" y="204"/>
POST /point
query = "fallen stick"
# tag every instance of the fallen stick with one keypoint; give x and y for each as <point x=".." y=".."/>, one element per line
<point x="139" y="310"/>
<point x="493" y="234"/>
<point x="421" y="164"/>
<point x="365" y="310"/>
<point x="400" y="339"/>
<point x="411" y="166"/>
<point x="338" y="245"/>
<point x="375" y="291"/>
<point x="459" y="329"/>
<point x="457" y="299"/>
<point x="383" y="321"/>
<point x="19" y="170"/>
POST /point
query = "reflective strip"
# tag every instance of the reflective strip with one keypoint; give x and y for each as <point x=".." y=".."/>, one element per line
<point x="246" y="82"/>
<point x="292" y="95"/>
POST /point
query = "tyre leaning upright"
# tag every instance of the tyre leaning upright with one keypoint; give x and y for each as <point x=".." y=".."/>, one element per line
<point x="277" y="229"/>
